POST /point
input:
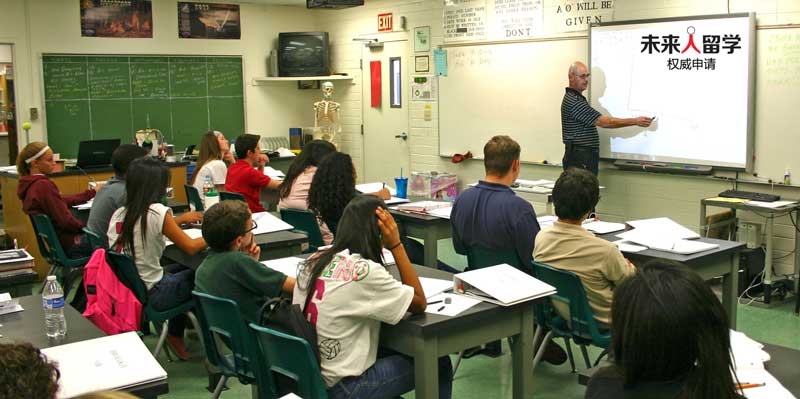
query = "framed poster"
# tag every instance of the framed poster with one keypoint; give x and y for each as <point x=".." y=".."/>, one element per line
<point x="422" y="63"/>
<point x="208" y="21"/>
<point x="119" y="18"/>
<point x="422" y="39"/>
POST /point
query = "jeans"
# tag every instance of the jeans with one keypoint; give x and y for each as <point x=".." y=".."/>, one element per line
<point x="390" y="377"/>
<point x="581" y="157"/>
<point x="174" y="288"/>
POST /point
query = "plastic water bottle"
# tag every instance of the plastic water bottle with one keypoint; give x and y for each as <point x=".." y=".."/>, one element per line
<point x="207" y="186"/>
<point x="55" y="324"/>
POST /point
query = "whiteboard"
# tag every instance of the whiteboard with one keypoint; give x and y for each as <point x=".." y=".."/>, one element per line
<point x="695" y="75"/>
<point x="513" y="89"/>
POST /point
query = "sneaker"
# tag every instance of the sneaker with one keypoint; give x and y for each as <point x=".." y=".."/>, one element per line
<point x="178" y="348"/>
<point x="554" y="354"/>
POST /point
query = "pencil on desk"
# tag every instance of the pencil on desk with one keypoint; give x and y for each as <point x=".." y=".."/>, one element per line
<point x="745" y="386"/>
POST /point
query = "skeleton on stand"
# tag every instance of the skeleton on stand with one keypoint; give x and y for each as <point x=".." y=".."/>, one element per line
<point x="326" y="115"/>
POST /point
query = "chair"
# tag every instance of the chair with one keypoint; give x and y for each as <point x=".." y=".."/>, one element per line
<point x="221" y="322"/>
<point x="567" y="314"/>
<point x="291" y="357"/>
<point x="126" y="271"/>
<point x="229" y="195"/>
<point x="194" y="197"/>
<point x="95" y="240"/>
<point x="305" y="222"/>
<point x="53" y="252"/>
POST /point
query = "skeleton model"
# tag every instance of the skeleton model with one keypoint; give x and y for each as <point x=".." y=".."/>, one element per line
<point x="326" y="115"/>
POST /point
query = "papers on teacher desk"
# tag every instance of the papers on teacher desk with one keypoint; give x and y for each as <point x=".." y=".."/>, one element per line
<point x="108" y="363"/>
<point x="503" y="285"/>
<point x="666" y="235"/>
<point x="749" y="358"/>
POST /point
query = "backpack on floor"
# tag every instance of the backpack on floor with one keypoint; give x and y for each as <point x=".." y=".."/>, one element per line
<point x="111" y="306"/>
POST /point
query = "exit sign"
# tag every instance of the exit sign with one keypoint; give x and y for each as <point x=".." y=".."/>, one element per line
<point x="385" y="22"/>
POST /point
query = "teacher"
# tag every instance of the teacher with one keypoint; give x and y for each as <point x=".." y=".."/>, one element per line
<point x="579" y="122"/>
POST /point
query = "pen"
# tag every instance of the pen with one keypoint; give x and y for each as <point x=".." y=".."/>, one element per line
<point x="431" y="303"/>
<point x="745" y="386"/>
<point x="384" y="186"/>
<point x="440" y="309"/>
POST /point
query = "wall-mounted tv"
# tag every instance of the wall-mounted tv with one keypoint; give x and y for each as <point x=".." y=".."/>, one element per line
<point x="303" y="54"/>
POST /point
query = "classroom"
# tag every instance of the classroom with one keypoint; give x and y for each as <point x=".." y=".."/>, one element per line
<point x="698" y="142"/>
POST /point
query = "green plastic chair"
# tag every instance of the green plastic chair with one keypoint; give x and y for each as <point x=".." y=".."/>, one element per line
<point x="229" y="195"/>
<point x="128" y="274"/>
<point x="304" y="222"/>
<point x="194" y="197"/>
<point x="95" y="240"/>
<point x="65" y="268"/>
<point x="222" y="322"/>
<point x="480" y="257"/>
<point x="567" y="314"/>
<point x="291" y="357"/>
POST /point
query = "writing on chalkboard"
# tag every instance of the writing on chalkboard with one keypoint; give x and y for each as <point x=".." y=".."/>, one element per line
<point x="783" y="56"/>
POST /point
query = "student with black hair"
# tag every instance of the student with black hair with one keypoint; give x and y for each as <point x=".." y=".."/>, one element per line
<point x="568" y="246"/>
<point x="670" y="339"/>
<point x="111" y="196"/>
<point x="352" y="294"/>
<point x="139" y="228"/>
<point x="231" y="269"/>
<point x="245" y="179"/>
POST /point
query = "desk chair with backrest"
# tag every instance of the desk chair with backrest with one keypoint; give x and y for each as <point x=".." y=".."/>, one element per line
<point x="67" y="269"/>
<point x="193" y="196"/>
<point x="291" y="357"/>
<point x="304" y="222"/>
<point x="95" y="240"/>
<point x="230" y="345"/>
<point x="567" y="314"/>
<point x="230" y="195"/>
<point x="128" y="274"/>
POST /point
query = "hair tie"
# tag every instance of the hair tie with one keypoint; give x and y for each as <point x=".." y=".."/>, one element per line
<point x="38" y="154"/>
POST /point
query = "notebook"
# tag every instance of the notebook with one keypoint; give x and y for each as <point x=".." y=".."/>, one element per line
<point x="503" y="285"/>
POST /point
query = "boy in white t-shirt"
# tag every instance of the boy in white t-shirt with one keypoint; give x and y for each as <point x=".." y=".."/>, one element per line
<point x="352" y="295"/>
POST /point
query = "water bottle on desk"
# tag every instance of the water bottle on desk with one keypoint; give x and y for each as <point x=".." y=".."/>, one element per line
<point x="55" y="325"/>
<point x="207" y="186"/>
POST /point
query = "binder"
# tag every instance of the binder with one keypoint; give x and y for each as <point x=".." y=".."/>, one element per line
<point x="503" y="285"/>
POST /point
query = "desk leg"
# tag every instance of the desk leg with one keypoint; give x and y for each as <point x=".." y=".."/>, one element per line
<point x="796" y="257"/>
<point x="426" y="368"/>
<point x="729" y="286"/>
<point x="703" y="228"/>
<point x="431" y="242"/>
<point x="522" y="352"/>
<point x="768" y="260"/>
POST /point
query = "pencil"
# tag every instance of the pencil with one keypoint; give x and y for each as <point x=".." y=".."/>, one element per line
<point x="745" y="386"/>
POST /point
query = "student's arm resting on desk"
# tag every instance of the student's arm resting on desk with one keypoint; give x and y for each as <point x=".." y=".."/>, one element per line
<point x="187" y="244"/>
<point x="80" y="198"/>
<point x="257" y="178"/>
<point x="617" y="267"/>
<point x="391" y="239"/>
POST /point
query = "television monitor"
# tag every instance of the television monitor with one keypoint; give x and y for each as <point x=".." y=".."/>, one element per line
<point x="303" y="54"/>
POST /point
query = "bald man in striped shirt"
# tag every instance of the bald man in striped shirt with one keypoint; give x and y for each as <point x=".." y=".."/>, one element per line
<point x="579" y="122"/>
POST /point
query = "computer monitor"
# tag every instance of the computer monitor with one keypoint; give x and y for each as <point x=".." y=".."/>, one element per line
<point x="96" y="153"/>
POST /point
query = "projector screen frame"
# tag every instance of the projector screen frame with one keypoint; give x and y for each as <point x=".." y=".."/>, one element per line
<point x="751" y="81"/>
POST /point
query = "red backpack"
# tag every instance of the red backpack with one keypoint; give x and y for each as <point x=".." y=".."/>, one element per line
<point x="111" y="305"/>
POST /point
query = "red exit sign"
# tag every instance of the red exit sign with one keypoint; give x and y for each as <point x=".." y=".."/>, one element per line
<point x="385" y="22"/>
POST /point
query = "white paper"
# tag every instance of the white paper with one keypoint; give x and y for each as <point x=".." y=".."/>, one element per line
<point x="749" y="357"/>
<point x="601" y="227"/>
<point x="664" y="242"/>
<point x="532" y="183"/>
<point x="285" y="152"/>
<point x="106" y="363"/>
<point x="395" y="200"/>
<point x="443" y="213"/>
<point x="772" y="205"/>
<point x="434" y="286"/>
<point x="9" y="169"/>
<point x="506" y="284"/>
<point x="287" y="266"/>
<point x="84" y="206"/>
<point x="625" y="246"/>
<point x="9" y="256"/>
<point x="424" y="206"/>
<point x="664" y="227"/>
<point x="458" y="304"/>
<point x="374" y="188"/>
<point x="273" y="173"/>
<point x="16" y="308"/>
<point x="546" y="221"/>
<point x="192" y="233"/>
<point x="269" y="223"/>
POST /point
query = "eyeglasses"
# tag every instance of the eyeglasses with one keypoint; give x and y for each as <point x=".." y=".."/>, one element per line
<point x="255" y="226"/>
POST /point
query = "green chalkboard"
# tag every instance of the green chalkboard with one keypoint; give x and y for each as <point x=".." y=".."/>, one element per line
<point x="112" y="96"/>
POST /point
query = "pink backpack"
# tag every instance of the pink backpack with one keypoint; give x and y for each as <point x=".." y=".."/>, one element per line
<point x="111" y="305"/>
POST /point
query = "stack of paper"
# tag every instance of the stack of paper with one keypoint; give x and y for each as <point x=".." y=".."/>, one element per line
<point x="287" y="266"/>
<point x="749" y="358"/>
<point x="11" y="305"/>
<point x="269" y="223"/>
<point x="424" y="206"/>
<point x="534" y="183"/>
<point x="601" y="227"/>
<point x="443" y="213"/>
<point x="274" y="173"/>
<point x="664" y="234"/>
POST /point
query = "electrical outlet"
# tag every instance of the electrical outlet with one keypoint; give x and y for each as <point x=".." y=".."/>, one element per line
<point x="34" y="113"/>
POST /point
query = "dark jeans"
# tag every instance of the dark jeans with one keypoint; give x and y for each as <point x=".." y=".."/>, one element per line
<point x="172" y="290"/>
<point x="581" y="157"/>
<point x="391" y="376"/>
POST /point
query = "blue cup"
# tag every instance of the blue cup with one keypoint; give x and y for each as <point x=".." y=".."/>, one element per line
<point x="402" y="186"/>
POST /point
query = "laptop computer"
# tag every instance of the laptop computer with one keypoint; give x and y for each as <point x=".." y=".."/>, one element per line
<point x="96" y="153"/>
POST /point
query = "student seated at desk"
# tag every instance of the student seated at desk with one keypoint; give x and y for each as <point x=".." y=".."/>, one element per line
<point x="26" y="373"/>
<point x="231" y="269"/>
<point x="294" y="188"/>
<point x="138" y="229"/>
<point x="351" y="295"/>
<point x="112" y="195"/>
<point x="211" y="162"/>
<point x="568" y="246"/>
<point x="670" y="339"/>
<point x="332" y="188"/>
<point x="243" y="178"/>
<point x="39" y="195"/>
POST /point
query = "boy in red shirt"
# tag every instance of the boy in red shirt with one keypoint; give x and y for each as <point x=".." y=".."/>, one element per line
<point x="245" y="179"/>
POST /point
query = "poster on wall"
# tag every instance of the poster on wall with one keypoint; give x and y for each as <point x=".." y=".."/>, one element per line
<point x="494" y="20"/>
<point x="209" y="21"/>
<point x="464" y="20"/>
<point x="516" y="19"/>
<point x="117" y="18"/>
<point x="564" y="16"/>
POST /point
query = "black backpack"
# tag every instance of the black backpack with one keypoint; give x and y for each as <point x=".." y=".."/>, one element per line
<point x="280" y="315"/>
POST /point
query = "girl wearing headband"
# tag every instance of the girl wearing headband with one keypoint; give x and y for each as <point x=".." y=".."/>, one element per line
<point x="39" y="195"/>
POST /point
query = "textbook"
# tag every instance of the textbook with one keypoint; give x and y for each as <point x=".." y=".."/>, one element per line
<point x="15" y="261"/>
<point x="503" y="285"/>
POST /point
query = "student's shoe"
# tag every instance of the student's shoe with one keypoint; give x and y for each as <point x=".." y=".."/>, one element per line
<point x="178" y="347"/>
<point x="554" y="354"/>
<point x="493" y="349"/>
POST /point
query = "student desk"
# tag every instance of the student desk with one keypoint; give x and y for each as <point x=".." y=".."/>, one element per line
<point x="280" y="244"/>
<point x="769" y="214"/>
<point x="70" y="181"/>
<point x="722" y="261"/>
<point x="430" y="229"/>
<point x="28" y="326"/>
<point x="427" y="337"/>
